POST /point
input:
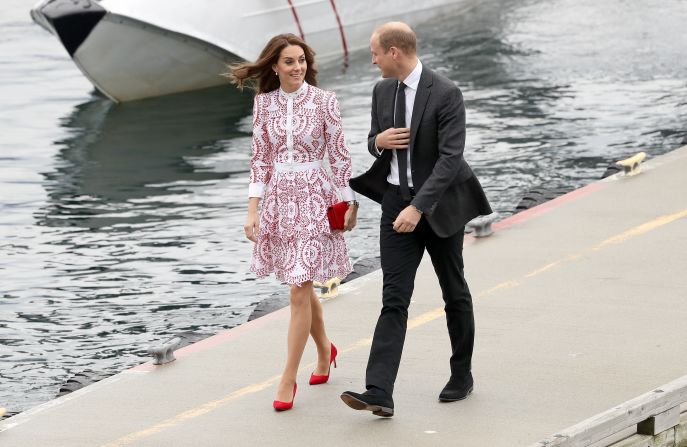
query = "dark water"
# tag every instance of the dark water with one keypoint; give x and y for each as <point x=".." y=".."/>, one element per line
<point x="122" y="224"/>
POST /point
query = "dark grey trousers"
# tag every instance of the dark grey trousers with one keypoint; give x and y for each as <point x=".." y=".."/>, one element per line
<point x="401" y="254"/>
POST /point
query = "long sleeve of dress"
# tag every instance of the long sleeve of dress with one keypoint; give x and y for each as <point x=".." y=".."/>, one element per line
<point x="261" y="160"/>
<point x="339" y="156"/>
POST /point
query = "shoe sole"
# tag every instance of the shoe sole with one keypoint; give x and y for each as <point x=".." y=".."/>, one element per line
<point x="358" y="404"/>
<point x="448" y="399"/>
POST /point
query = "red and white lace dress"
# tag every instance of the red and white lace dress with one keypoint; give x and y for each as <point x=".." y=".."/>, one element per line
<point x="292" y="134"/>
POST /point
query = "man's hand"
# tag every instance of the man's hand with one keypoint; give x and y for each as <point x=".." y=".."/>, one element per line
<point x="393" y="138"/>
<point x="407" y="219"/>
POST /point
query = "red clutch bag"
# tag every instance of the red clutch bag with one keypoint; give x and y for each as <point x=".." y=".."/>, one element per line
<point x="336" y="214"/>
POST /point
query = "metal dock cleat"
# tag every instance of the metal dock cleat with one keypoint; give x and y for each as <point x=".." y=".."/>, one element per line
<point x="164" y="353"/>
<point x="481" y="225"/>
<point x="328" y="289"/>
<point x="631" y="166"/>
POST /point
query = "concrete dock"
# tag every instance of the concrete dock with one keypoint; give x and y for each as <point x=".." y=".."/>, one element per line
<point x="580" y="303"/>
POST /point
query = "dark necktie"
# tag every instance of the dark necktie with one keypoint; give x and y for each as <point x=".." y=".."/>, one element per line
<point x="402" y="154"/>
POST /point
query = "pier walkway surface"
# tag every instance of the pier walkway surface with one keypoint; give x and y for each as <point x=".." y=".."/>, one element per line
<point x="580" y="303"/>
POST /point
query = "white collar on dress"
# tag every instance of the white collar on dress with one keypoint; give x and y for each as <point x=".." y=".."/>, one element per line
<point x="296" y="93"/>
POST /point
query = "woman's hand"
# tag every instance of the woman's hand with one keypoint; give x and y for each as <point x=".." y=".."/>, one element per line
<point x="351" y="217"/>
<point x="252" y="226"/>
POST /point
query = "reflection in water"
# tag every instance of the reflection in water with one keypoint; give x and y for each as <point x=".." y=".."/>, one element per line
<point x="120" y="156"/>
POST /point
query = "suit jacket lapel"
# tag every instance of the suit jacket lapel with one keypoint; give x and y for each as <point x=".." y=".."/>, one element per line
<point x="421" y="97"/>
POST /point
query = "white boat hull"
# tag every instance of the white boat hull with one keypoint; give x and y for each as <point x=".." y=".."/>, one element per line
<point x="148" y="61"/>
<point x="134" y="49"/>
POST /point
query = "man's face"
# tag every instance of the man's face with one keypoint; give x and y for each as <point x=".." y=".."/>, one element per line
<point x="383" y="60"/>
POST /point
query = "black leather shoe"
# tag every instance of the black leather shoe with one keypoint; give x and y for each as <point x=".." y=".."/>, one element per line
<point x="379" y="405"/>
<point x="457" y="389"/>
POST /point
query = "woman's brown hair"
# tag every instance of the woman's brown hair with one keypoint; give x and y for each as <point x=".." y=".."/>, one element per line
<point x="259" y="74"/>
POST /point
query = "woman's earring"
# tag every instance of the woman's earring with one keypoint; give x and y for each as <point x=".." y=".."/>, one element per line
<point x="276" y="74"/>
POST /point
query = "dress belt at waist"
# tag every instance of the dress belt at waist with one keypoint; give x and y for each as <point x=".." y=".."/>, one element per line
<point x="285" y="167"/>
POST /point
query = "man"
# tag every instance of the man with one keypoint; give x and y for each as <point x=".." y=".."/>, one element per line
<point x="428" y="193"/>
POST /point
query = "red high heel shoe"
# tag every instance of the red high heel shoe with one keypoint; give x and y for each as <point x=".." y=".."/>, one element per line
<point x="318" y="380"/>
<point x="283" y="406"/>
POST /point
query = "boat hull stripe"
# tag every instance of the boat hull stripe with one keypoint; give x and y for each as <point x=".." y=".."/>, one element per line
<point x="295" y="17"/>
<point x="341" y="30"/>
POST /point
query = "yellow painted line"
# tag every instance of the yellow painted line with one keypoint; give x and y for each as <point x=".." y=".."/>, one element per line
<point x="548" y="267"/>
<point x="436" y="313"/>
<point x="545" y="268"/>
<point x="496" y="288"/>
<point x="413" y="323"/>
<point x="193" y="413"/>
<point x="359" y="344"/>
<point x="426" y="318"/>
<point x="641" y="229"/>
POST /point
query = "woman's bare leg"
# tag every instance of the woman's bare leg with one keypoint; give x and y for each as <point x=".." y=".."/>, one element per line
<point x="299" y="328"/>
<point x="319" y="335"/>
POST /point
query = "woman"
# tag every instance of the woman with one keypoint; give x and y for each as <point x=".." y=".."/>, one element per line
<point x="295" y="124"/>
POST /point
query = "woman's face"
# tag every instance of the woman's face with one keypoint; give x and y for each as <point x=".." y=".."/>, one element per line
<point x="291" y="68"/>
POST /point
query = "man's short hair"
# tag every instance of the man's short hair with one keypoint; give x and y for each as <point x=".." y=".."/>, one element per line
<point x="404" y="40"/>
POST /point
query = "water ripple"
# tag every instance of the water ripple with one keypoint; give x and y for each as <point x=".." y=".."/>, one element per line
<point x="122" y="224"/>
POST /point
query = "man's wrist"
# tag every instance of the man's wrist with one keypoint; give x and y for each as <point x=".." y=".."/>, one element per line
<point x="419" y="211"/>
<point x="354" y="203"/>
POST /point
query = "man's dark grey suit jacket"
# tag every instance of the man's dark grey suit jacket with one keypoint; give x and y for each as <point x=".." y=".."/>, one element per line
<point x="447" y="192"/>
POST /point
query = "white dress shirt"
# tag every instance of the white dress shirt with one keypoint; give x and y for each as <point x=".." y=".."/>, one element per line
<point x="411" y="83"/>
